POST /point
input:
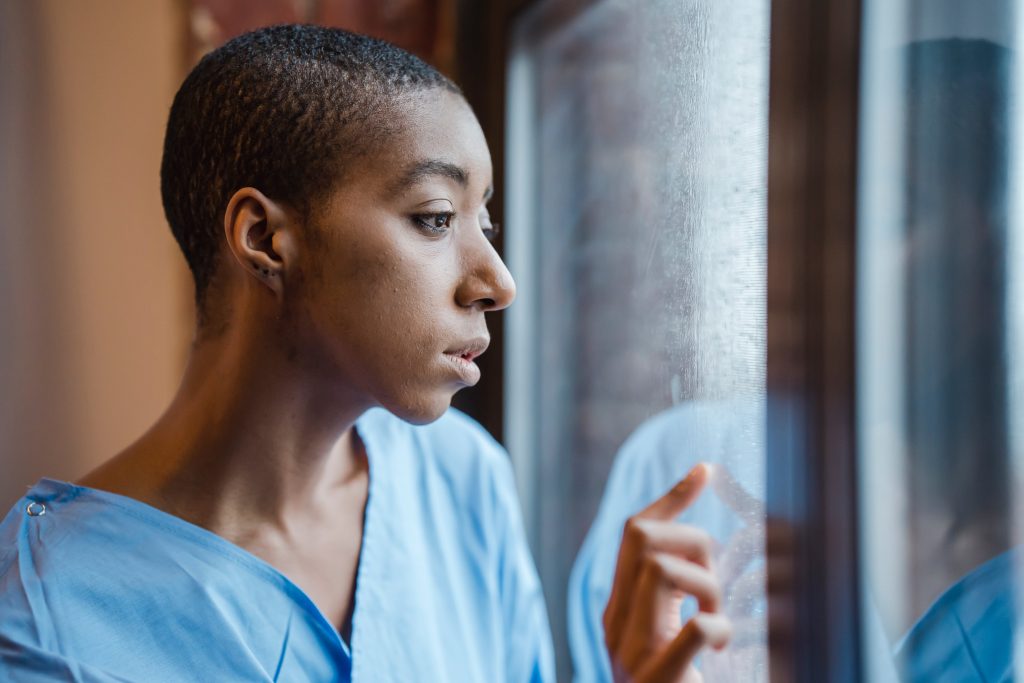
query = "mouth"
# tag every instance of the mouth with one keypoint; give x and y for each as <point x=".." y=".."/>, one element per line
<point x="468" y="351"/>
<point x="462" y="355"/>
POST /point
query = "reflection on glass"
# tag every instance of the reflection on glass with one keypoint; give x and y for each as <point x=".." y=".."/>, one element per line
<point x="935" y="351"/>
<point x="661" y="451"/>
<point x="637" y="153"/>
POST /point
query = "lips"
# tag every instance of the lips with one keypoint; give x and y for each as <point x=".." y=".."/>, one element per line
<point x="460" y="357"/>
<point x="469" y="350"/>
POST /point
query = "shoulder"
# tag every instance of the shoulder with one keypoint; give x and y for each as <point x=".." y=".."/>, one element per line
<point x="690" y="432"/>
<point x="31" y="527"/>
<point x="976" y="614"/>
<point x="665" y="447"/>
<point x="10" y="530"/>
<point x="34" y="540"/>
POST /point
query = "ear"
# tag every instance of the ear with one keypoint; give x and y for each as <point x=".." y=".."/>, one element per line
<point x="258" y="234"/>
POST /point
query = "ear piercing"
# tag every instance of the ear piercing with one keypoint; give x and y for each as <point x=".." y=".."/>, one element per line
<point x="265" y="271"/>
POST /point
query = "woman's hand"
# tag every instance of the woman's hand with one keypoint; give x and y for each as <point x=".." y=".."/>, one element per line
<point x="660" y="563"/>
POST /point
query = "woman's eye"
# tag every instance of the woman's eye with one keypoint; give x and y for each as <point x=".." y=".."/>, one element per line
<point x="435" y="222"/>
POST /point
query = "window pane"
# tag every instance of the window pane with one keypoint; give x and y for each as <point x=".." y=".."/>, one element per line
<point x="939" y="347"/>
<point x="637" y="149"/>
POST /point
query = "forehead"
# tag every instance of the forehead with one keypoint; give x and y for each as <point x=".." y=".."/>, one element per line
<point x="432" y="131"/>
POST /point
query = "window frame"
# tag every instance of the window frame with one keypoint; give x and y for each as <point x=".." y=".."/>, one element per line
<point x="811" y="484"/>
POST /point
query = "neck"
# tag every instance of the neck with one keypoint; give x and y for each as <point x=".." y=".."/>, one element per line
<point x="250" y="437"/>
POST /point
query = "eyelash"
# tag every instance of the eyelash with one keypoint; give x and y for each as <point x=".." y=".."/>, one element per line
<point x="427" y="221"/>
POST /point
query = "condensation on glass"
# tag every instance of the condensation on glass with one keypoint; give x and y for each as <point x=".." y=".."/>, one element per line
<point x="637" y="212"/>
<point x="940" y="339"/>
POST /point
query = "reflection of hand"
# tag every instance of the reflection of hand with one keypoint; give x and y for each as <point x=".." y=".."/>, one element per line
<point x="741" y="571"/>
<point x="747" y="594"/>
<point x="660" y="563"/>
<point x="738" y="499"/>
<point x="740" y="563"/>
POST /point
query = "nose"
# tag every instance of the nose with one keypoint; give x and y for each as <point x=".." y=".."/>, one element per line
<point x="486" y="284"/>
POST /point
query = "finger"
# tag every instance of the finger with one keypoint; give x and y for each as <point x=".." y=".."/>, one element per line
<point x="654" y="616"/>
<point x="703" y="630"/>
<point x="676" y="575"/>
<point x="640" y="634"/>
<point x="640" y="538"/>
<point x="738" y="499"/>
<point x="682" y="540"/>
<point x="680" y="496"/>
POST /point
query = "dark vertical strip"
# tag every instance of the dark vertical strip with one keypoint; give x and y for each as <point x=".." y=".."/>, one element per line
<point x="481" y="55"/>
<point x="811" y="473"/>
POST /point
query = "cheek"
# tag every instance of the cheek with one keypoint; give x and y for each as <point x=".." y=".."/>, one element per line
<point x="411" y="302"/>
<point x="389" y="298"/>
<point x="381" y="319"/>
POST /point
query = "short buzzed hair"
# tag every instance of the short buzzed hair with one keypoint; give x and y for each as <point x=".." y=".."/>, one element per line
<point x="281" y="109"/>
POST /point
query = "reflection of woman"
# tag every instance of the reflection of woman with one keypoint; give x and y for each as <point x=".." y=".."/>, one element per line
<point x="283" y="520"/>
<point x="660" y="450"/>
<point x="956" y="198"/>
<point x="956" y="141"/>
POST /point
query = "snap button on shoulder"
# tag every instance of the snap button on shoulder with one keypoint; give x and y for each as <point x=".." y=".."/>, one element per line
<point x="35" y="509"/>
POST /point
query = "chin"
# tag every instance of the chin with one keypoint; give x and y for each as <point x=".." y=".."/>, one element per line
<point x="420" y="410"/>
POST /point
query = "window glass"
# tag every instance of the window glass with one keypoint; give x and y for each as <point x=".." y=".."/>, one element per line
<point x="636" y="208"/>
<point x="939" y="337"/>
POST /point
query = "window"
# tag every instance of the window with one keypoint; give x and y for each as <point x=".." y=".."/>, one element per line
<point x="637" y="161"/>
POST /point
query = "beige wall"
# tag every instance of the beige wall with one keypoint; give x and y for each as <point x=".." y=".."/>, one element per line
<point x="95" y="310"/>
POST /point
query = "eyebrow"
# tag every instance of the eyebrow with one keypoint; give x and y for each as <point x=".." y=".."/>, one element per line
<point x="431" y="167"/>
<point x="435" y="167"/>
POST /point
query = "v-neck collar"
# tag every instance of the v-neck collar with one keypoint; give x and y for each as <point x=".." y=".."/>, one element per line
<point x="368" y="545"/>
<point x="53" y="490"/>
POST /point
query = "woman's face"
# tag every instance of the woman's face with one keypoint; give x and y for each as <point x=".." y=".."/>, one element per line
<point x="400" y="271"/>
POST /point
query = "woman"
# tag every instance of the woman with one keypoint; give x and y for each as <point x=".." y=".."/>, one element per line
<point x="284" y="519"/>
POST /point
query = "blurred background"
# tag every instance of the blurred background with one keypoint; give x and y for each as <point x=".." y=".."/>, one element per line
<point x="94" y="297"/>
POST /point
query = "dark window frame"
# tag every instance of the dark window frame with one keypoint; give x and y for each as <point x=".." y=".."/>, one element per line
<point x="811" y="449"/>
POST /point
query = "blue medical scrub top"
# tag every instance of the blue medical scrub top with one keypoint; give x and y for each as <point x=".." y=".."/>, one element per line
<point x="99" y="587"/>
<point x="968" y="633"/>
